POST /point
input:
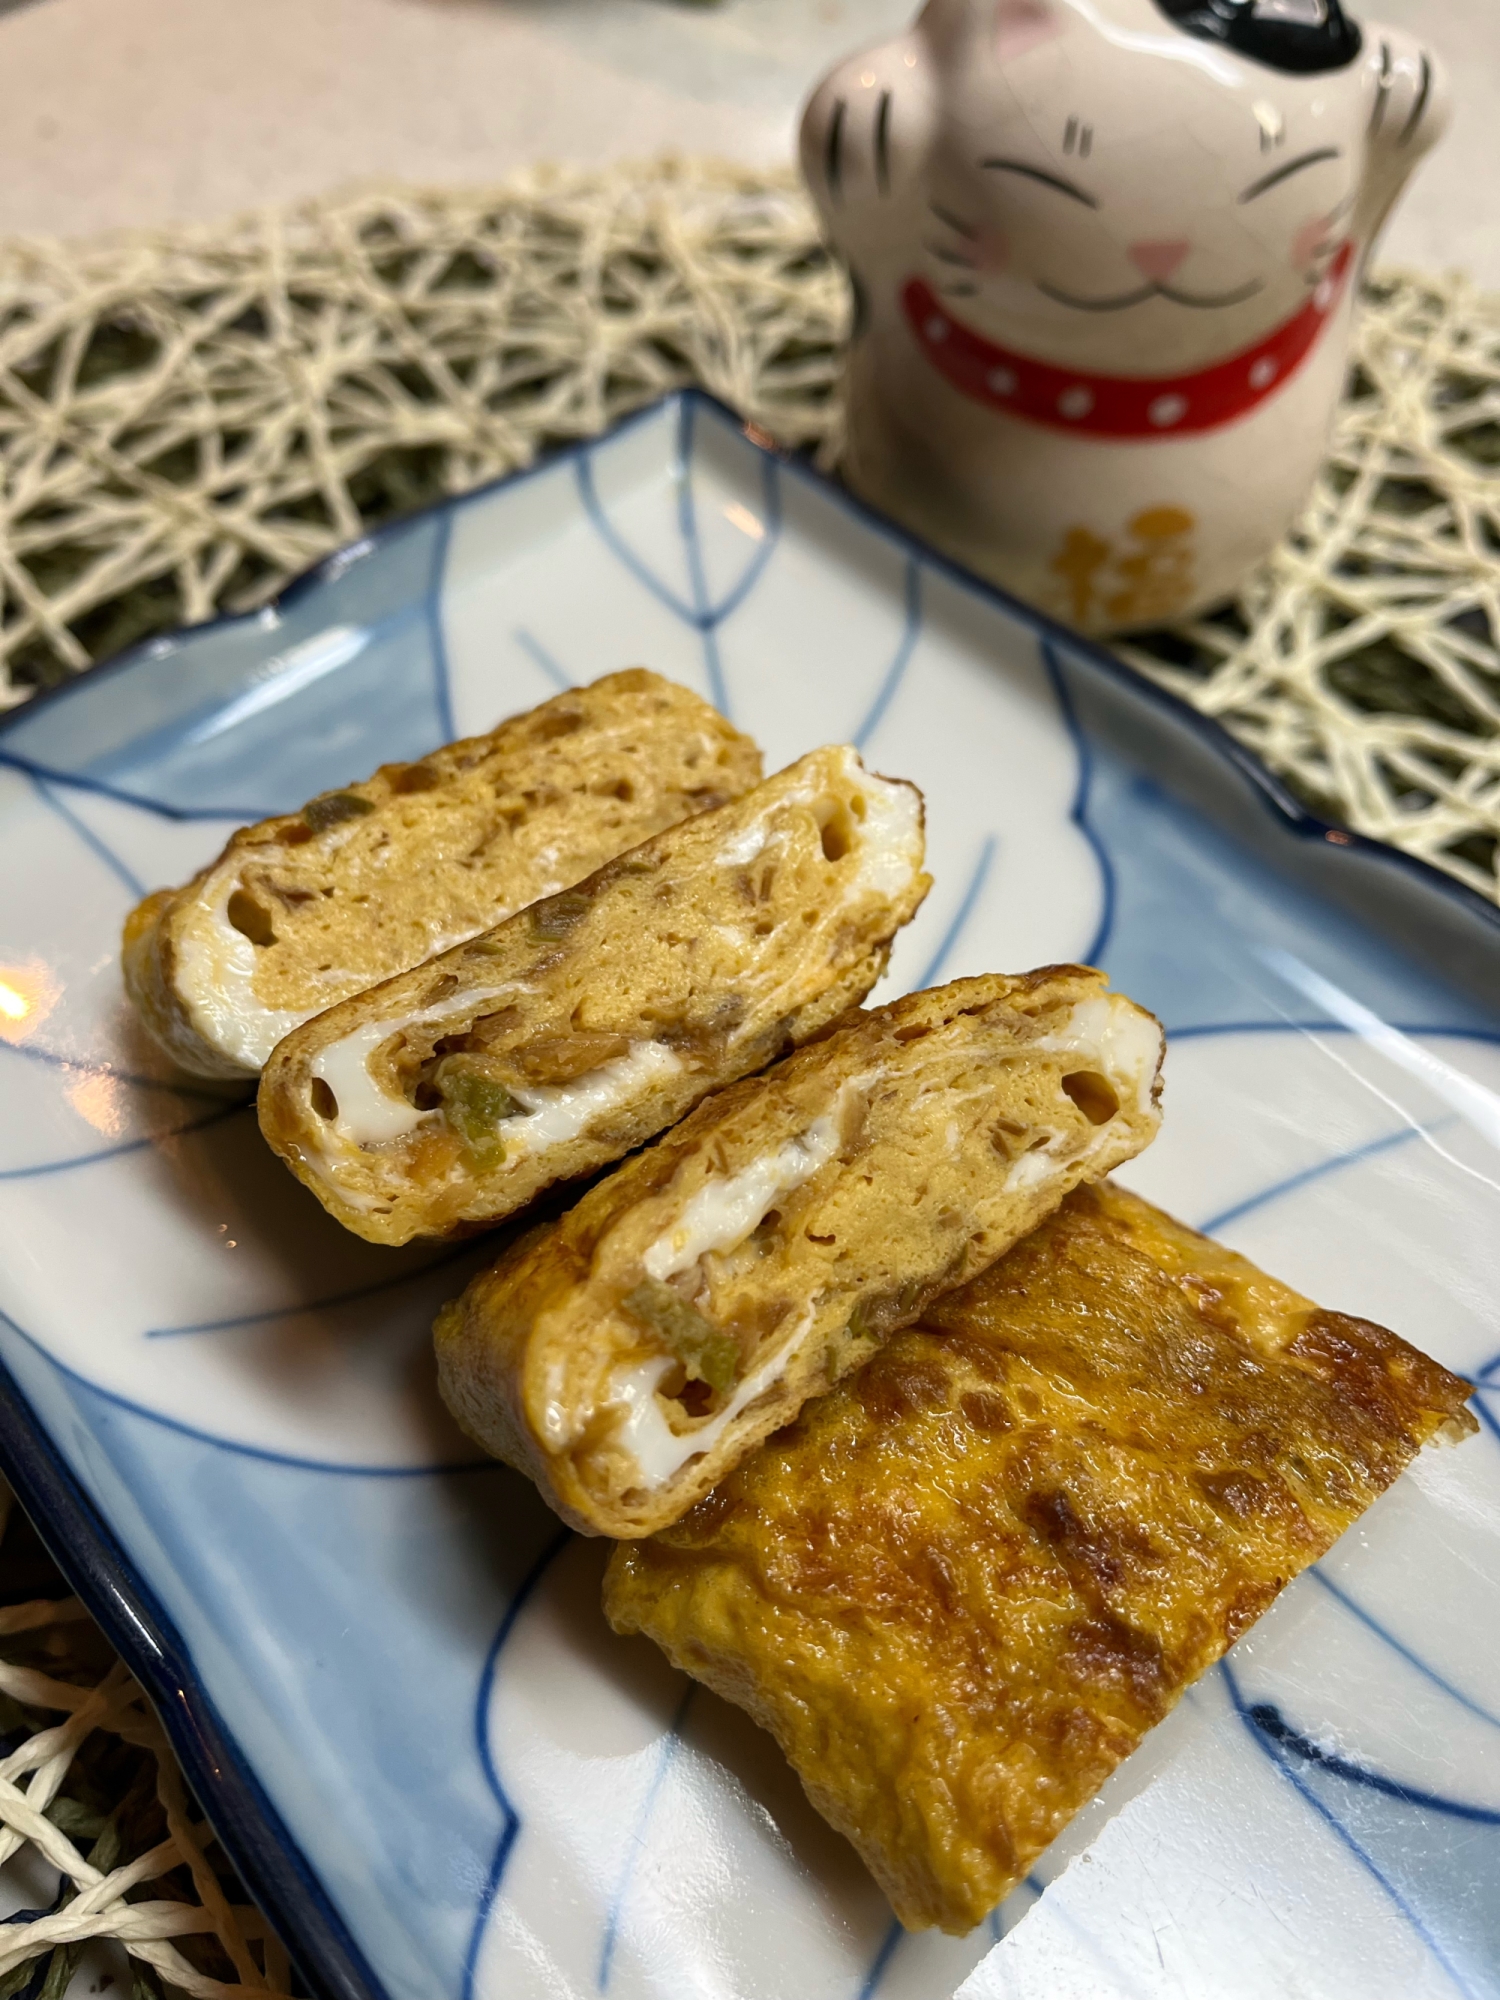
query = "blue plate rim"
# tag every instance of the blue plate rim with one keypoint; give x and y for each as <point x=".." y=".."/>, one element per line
<point x="269" y="1861"/>
<point x="1286" y="809"/>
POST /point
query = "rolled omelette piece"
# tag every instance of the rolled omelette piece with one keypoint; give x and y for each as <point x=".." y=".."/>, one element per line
<point x="308" y="908"/>
<point x="962" y="1588"/>
<point x="629" y="1354"/>
<point x="446" y="1099"/>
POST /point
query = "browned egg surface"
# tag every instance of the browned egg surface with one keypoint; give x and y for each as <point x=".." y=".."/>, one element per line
<point x="962" y="1587"/>
<point x="495" y="821"/>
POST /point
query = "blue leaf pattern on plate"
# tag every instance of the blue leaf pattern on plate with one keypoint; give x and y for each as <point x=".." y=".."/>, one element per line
<point x="209" y="1353"/>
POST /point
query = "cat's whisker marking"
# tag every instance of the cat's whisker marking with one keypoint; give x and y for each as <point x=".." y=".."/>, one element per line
<point x="1284" y="173"/>
<point x="949" y="256"/>
<point x="1070" y="135"/>
<point x="833" y="151"/>
<point x="1086" y="142"/>
<point x="883" y="144"/>
<point x="1424" y="91"/>
<point x="1382" y="89"/>
<point x="963" y="228"/>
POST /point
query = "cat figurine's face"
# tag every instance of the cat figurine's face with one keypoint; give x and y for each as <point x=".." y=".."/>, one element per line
<point x="1093" y="180"/>
<point x="1086" y="191"/>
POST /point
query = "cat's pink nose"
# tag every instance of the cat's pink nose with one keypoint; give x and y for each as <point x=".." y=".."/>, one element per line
<point x="1158" y="260"/>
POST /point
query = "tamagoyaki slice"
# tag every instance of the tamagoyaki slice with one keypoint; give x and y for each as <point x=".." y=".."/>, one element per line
<point x="629" y="1354"/>
<point x="303" y="910"/>
<point x="448" y="1098"/>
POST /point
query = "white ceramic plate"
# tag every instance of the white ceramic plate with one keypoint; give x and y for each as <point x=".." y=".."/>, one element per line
<point x="384" y="1667"/>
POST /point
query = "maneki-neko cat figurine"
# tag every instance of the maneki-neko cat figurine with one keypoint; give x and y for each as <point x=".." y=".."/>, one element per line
<point x="1104" y="255"/>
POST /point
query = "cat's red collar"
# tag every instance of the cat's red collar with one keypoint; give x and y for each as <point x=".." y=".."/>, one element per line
<point x="1119" y="406"/>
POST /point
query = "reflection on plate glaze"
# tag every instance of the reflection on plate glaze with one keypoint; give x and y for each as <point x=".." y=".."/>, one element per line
<point x="27" y="995"/>
<point x="216" y="1303"/>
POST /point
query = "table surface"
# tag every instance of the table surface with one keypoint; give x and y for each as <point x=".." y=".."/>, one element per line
<point x="162" y="110"/>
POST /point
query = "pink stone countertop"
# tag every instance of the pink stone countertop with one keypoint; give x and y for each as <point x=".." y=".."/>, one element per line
<point x="133" y="112"/>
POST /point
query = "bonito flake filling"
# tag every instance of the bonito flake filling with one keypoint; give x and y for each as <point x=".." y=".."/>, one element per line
<point x="629" y="1353"/>
<point x="576" y="1030"/>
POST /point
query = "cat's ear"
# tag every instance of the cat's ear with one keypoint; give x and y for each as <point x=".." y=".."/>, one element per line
<point x="1020" y="24"/>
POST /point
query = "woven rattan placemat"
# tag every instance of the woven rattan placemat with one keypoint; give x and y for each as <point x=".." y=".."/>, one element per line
<point x="188" y="419"/>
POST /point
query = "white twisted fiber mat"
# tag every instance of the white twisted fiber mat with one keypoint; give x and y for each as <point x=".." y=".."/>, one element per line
<point x="111" y="1880"/>
<point x="189" y="418"/>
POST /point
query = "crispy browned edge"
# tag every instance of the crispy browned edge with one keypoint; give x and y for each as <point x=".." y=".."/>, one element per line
<point x="481" y="1338"/>
<point x="1356" y="1353"/>
<point x="148" y="944"/>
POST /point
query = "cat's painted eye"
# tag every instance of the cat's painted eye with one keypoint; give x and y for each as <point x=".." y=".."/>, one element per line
<point x="1031" y="173"/>
<point x="1285" y="173"/>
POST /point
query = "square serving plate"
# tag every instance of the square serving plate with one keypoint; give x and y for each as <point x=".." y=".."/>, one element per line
<point x="383" y="1665"/>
